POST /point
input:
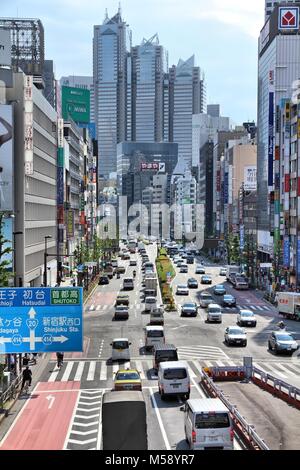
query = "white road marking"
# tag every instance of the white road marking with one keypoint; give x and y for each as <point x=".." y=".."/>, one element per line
<point x="98" y="307"/>
<point x="91" y="373"/>
<point x="259" y="366"/>
<point x="103" y="372"/>
<point x="115" y="368"/>
<point x="67" y="372"/>
<point x="139" y="367"/>
<point x="79" y="371"/>
<point x="71" y="421"/>
<point x="163" y="431"/>
<point x="127" y="365"/>
<point x="275" y="371"/>
<point x="92" y="307"/>
<point x="191" y="372"/>
<point x="220" y="364"/>
<point x="259" y="307"/>
<point x="266" y="308"/>
<point x="287" y="370"/>
<point x="54" y="374"/>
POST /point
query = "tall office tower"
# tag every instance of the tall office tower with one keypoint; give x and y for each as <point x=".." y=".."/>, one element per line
<point x="271" y="4"/>
<point x="278" y="68"/>
<point x="147" y="91"/>
<point x="85" y="83"/>
<point x="50" y="83"/>
<point x="110" y="85"/>
<point x="186" y="97"/>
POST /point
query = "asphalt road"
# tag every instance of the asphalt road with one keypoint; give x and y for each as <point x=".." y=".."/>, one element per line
<point x="85" y="376"/>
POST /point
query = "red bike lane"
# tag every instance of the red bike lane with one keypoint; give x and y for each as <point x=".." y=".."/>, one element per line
<point x="43" y="423"/>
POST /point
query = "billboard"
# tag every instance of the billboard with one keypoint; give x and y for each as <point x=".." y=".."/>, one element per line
<point x="242" y="237"/>
<point x="286" y="252"/>
<point x="5" y="47"/>
<point x="76" y="104"/>
<point x="250" y="178"/>
<point x="28" y="124"/>
<point x="70" y="223"/>
<point x="6" y="157"/>
<point x="271" y="139"/>
<point x="150" y="166"/>
<point x="288" y="18"/>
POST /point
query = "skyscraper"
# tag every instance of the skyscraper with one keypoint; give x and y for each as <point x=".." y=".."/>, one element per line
<point x="186" y="97"/>
<point x="271" y="4"/>
<point x="110" y="86"/>
<point x="147" y="91"/>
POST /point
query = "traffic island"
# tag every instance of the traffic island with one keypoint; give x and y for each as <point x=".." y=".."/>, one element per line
<point x="166" y="274"/>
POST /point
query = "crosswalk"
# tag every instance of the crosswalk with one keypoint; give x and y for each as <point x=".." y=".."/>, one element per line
<point x="96" y="308"/>
<point x="89" y="371"/>
<point x="141" y="306"/>
<point x="201" y="352"/>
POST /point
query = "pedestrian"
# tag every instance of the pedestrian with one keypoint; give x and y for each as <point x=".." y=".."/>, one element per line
<point x="25" y="360"/>
<point x="27" y="375"/>
<point x="34" y="357"/>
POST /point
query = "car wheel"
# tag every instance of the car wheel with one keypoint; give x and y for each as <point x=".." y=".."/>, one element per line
<point x="187" y="396"/>
<point x="275" y="350"/>
<point x="226" y="342"/>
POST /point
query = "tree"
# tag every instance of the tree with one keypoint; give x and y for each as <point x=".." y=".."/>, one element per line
<point x="5" y="274"/>
<point x="233" y="248"/>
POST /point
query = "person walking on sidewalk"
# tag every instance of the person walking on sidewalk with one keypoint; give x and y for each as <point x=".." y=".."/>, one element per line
<point x="27" y="375"/>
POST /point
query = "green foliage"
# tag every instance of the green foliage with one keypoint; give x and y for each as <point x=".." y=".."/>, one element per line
<point x="233" y="248"/>
<point x="5" y="275"/>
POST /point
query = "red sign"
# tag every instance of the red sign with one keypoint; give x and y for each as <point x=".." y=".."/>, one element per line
<point x="287" y="183"/>
<point x="150" y="166"/>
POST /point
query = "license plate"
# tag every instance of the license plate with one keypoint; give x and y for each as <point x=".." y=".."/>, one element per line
<point x="249" y="323"/>
<point x="175" y="385"/>
<point x="213" y="438"/>
<point x="128" y="387"/>
<point x="238" y="342"/>
<point x="120" y="350"/>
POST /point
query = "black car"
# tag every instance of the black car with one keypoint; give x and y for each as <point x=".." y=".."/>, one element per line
<point x="229" y="301"/>
<point x="206" y="279"/>
<point x="103" y="280"/>
<point x="193" y="283"/>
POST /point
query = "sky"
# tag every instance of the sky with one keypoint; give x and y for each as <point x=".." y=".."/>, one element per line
<point x="222" y="34"/>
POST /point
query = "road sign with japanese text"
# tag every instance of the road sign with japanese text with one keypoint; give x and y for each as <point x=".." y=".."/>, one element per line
<point x="37" y="319"/>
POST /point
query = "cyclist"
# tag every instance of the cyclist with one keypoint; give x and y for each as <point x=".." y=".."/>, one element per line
<point x="60" y="358"/>
<point x="27" y="375"/>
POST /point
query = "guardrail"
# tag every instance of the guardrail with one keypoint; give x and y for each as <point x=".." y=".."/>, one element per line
<point x="277" y="387"/>
<point x="243" y="429"/>
<point x="11" y="392"/>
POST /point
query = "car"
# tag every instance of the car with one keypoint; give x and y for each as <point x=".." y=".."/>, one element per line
<point x="126" y="256"/>
<point x="103" y="280"/>
<point x="190" y="259"/>
<point x="133" y="262"/>
<point x="205" y="299"/>
<point x="128" y="283"/>
<point x="234" y="335"/>
<point x="127" y="379"/>
<point x="219" y="290"/>
<point x="189" y="310"/>
<point x="182" y="290"/>
<point x="184" y="268"/>
<point x="214" y="313"/>
<point x="121" y="312"/>
<point x="223" y="272"/>
<point x="179" y="263"/>
<point x="247" y="318"/>
<point x="121" y="269"/>
<point x="200" y="269"/>
<point x="122" y="299"/>
<point x="282" y="342"/>
<point x="193" y="283"/>
<point x="229" y="301"/>
<point x="206" y="279"/>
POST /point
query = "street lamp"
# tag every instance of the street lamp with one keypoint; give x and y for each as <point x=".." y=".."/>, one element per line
<point x="15" y="257"/>
<point x="45" y="260"/>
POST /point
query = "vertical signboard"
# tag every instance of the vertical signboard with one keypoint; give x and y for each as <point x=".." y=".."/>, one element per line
<point x="250" y="178"/>
<point x="6" y="157"/>
<point x="70" y="224"/>
<point x="298" y="260"/>
<point x="286" y="252"/>
<point x="5" y="47"/>
<point x="242" y="237"/>
<point x="226" y="188"/>
<point x="28" y="125"/>
<point x="271" y="129"/>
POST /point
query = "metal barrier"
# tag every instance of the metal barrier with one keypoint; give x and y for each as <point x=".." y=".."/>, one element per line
<point x="281" y="389"/>
<point x="245" y="430"/>
<point x="11" y="392"/>
<point x="226" y="373"/>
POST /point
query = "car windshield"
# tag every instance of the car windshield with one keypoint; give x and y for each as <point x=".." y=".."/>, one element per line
<point x="206" y="297"/>
<point x="247" y="314"/>
<point x="193" y="280"/>
<point x="155" y="334"/>
<point x="127" y="376"/>
<point x="212" y="420"/>
<point x="189" y="306"/>
<point x="182" y="287"/>
<point x="164" y="356"/>
<point x="173" y="374"/>
<point x="228" y="297"/>
<point x="235" y="331"/>
<point x="214" y="310"/>
<point x="120" y="345"/>
<point x="219" y="287"/>
<point x="285" y="338"/>
<point x="150" y="300"/>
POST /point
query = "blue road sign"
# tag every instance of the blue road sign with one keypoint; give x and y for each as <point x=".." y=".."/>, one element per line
<point x="41" y="319"/>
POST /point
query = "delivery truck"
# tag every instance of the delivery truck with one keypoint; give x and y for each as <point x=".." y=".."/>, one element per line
<point x="124" y="421"/>
<point x="288" y="304"/>
<point x="151" y="285"/>
<point x="231" y="271"/>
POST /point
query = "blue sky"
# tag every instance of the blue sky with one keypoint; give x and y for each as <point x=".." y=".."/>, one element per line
<point x="221" y="33"/>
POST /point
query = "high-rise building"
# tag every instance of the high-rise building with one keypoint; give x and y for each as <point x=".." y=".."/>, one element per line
<point x="278" y="68"/>
<point x="50" y="83"/>
<point x="271" y="4"/>
<point x="186" y="97"/>
<point x="85" y="83"/>
<point x="110" y="86"/>
<point x="147" y="91"/>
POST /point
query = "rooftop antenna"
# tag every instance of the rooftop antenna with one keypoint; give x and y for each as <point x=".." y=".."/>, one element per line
<point x="120" y="9"/>
<point x="106" y="14"/>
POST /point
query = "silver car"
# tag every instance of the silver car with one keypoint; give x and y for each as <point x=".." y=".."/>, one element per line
<point x="246" y="318"/>
<point x="234" y="335"/>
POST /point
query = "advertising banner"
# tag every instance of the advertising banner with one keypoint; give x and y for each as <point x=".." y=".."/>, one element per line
<point x="242" y="237"/>
<point x="286" y="252"/>
<point x="6" y="157"/>
<point x="60" y="186"/>
<point x="70" y="223"/>
<point x="76" y="104"/>
<point x="150" y="166"/>
<point x="226" y="188"/>
<point x="250" y="178"/>
<point x="298" y="259"/>
<point x="28" y="125"/>
<point x="271" y="139"/>
<point x="5" y="47"/>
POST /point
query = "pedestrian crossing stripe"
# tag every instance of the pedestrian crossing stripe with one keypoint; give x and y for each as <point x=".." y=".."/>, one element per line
<point x="101" y="371"/>
<point x="139" y="306"/>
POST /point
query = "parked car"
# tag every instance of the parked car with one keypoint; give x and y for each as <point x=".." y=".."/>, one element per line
<point x="127" y="379"/>
<point x="205" y="299"/>
<point x="219" y="290"/>
<point x="234" y="335"/>
<point x="246" y="318"/>
<point x="223" y="272"/>
<point x="282" y="342"/>
<point x="103" y="280"/>
<point x="121" y="269"/>
<point x="200" y="269"/>
<point x="193" y="283"/>
<point x="189" y="310"/>
<point x="206" y="279"/>
<point x="184" y="268"/>
<point x="182" y="290"/>
<point x="229" y="301"/>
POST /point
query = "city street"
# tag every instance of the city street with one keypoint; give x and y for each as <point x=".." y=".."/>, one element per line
<point x="85" y="376"/>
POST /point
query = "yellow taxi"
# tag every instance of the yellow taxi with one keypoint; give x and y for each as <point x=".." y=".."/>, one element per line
<point x="127" y="379"/>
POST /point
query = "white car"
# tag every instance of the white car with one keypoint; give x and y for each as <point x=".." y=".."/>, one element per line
<point x="182" y="290"/>
<point x="234" y="335"/>
<point x="200" y="269"/>
<point x="222" y="272"/>
<point x="246" y="318"/>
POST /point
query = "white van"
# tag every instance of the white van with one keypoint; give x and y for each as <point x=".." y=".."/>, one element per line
<point x="154" y="335"/>
<point x="120" y="349"/>
<point x="128" y="284"/>
<point x="150" y="304"/>
<point x="174" y="379"/>
<point x="207" y="424"/>
<point x="214" y="313"/>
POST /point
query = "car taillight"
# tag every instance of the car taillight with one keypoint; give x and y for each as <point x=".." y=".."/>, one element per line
<point x="231" y="434"/>
<point x="194" y="436"/>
